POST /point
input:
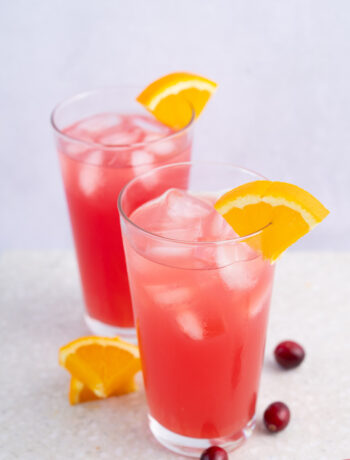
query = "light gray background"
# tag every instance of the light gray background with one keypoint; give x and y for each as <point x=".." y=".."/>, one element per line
<point x="283" y="107"/>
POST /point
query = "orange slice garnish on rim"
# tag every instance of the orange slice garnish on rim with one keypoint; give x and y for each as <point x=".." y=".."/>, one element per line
<point x="175" y="98"/>
<point x="283" y="211"/>
<point x="105" y="366"/>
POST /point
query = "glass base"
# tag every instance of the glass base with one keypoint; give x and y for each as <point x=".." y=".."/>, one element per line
<point x="193" y="447"/>
<point x="106" y="330"/>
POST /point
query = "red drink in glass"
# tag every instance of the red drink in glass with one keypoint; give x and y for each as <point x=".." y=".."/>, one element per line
<point x="201" y="299"/>
<point x="100" y="150"/>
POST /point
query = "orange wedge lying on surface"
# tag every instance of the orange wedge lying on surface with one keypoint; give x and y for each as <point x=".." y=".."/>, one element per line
<point x="105" y="366"/>
<point x="283" y="211"/>
<point x="80" y="393"/>
<point x="175" y="98"/>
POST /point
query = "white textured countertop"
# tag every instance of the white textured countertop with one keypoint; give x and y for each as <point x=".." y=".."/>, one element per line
<point x="41" y="309"/>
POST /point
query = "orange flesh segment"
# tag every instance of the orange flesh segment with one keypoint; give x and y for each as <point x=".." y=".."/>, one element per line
<point x="80" y="393"/>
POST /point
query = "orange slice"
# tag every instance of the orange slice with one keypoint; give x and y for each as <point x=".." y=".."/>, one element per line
<point x="283" y="211"/>
<point x="104" y="365"/>
<point x="173" y="98"/>
<point x="80" y="393"/>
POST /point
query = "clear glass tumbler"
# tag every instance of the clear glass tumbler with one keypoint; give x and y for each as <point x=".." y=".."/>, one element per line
<point x="104" y="139"/>
<point x="201" y="310"/>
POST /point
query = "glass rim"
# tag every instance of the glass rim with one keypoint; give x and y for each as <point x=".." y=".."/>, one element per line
<point x="115" y="147"/>
<point x="186" y="242"/>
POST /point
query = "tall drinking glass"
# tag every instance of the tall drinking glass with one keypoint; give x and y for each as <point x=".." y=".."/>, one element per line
<point x="201" y="298"/>
<point x="104" y="139"/>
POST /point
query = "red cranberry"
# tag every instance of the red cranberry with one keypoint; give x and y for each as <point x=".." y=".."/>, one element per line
<point x="289" y="354"/>
<point x="276" y="417"/>
<point x="214" y="453"/>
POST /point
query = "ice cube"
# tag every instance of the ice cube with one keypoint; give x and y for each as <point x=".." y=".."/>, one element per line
<point x="169" y="295"/>
<point x="162" y="148"/>
<point x="202" y="323"/>
<point x="143" y="162"/>
<point x="171" y="254"/>
<point x="148" y="125"/>
<point x="238" y="270"/>
<point x="91" y="176"/>
<point x="190" y="324"/>
<point x="150" y="137"/>
<point x="261" y="299"/>
<point x="157" y="146"/>
<point x="75" y="149"/>
<point x="90" y="128"/>
<point x="219" y="229"/>
<point x="141" y="157"/>
<point x="93" y="157"/>
<point x="98" y="124"/>
<point x="175" y="214"/>
<point x="121" y="137"/>
<point x="181" y="205"/>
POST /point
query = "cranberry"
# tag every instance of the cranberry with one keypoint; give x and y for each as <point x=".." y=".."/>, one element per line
<point x="276" y="417"/>
<point x="289" y="354"/>
<point x="214" y="453"/>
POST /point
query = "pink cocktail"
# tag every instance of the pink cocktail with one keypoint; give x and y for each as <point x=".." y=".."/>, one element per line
<point x="201" y="299"/>
<point x="103" y="142"/>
